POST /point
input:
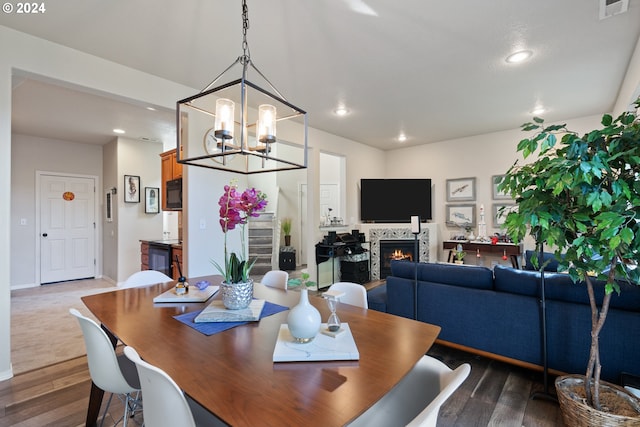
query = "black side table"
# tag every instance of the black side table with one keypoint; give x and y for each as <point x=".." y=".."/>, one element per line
<point x="287" y="259"/>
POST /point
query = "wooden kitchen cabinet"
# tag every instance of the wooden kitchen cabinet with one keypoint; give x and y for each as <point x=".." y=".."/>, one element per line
<point x="171" y="170"/>
<point x="144" y="256"/>
<point x="176" y="252"/>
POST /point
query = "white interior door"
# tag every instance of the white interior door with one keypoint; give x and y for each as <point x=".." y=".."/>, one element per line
<point x="67" y="228"/>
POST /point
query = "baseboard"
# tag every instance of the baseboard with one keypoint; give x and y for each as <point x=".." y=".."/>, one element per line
<point x="25" y="286"/>
<point x="498" y="357"/>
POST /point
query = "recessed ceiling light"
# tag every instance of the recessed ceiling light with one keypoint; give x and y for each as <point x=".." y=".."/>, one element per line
<point x="538" y="110"/>
<point x="121" y="131"/>
<point x="519" y="56"/>
<point x="402" y="137"/>
<point x="341" y="111"/>
<point x="151" y="109"/>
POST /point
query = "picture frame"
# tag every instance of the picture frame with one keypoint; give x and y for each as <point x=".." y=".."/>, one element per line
<point x="151" y="200"/>
<point x="461" y="190"/>
<point x="500" y="217"/>
<point x="498" y="195"/>
<point x="108" y="204"/>
<point x="131" y="189"/>
<point x="461" y="215"/>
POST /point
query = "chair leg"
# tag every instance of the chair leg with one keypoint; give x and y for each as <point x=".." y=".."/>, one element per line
<point x="106" y="408"/>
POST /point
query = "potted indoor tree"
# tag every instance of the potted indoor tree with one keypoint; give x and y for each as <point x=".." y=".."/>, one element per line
<point x="581" y="197"/>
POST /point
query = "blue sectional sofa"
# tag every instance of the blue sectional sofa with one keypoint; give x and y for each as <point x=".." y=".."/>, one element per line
<point x="497" y="313"/>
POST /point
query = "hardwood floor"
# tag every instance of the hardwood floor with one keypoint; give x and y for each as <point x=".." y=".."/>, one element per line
<point x="495" y="394"/>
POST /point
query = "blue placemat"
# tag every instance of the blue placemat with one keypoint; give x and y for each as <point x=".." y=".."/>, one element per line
<point x="211" y="328"/>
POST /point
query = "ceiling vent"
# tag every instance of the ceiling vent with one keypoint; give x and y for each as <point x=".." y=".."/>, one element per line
<point x="609" y="8"/>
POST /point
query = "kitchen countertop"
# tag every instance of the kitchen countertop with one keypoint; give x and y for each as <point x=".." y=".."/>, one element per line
<point x="168" y="242"/>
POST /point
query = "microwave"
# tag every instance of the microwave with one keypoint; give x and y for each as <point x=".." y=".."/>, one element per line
<point x="173" y="196"/>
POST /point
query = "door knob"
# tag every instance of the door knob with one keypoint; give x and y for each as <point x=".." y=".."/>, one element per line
<point x="44" y="234"/>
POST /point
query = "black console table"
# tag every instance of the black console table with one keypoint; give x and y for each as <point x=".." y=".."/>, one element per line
<point x="353" y="255"/>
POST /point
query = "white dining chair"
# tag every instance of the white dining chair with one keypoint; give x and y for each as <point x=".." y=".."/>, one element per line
<point x="164" y="402"/>
<point x="416" y="400"/>
<point x="112" y="373"/>
<point x="276" y="279"/>
<point x="354" y="293"/>
<point x="146" y="277"/>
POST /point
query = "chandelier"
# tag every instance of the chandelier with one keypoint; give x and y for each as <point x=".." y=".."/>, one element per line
<point x="234" y="126"/>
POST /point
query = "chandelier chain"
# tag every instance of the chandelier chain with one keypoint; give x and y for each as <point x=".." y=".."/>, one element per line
<point x="245" y="26"/>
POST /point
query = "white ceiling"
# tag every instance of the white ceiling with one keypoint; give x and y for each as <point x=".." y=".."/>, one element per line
<point x="433" y="70"/>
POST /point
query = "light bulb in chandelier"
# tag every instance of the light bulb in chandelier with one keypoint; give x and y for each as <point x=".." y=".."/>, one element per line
<point x="267" y="124"/>
<point x="225" y="109"/>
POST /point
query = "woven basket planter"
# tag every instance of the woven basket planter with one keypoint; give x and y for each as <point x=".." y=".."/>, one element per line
<point x="575" y="413"/>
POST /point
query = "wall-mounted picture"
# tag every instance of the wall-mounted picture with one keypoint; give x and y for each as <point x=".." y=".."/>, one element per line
<point x="500" y="212"/>
<point x="498" y="195"/>
<point x="461" y="215"/>
<point x="151" y="200"/>
<point x="108" y="203"/>
<point x="461" y="190"/>
<point x="131" y="189"/>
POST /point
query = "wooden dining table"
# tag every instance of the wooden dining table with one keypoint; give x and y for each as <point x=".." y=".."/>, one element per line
<point x="231" y="373"/>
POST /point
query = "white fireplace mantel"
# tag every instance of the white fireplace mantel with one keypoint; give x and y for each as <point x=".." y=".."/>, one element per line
<point x="428" y="238"/>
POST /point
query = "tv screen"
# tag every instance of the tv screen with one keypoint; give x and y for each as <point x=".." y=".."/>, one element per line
<point x="394" y="200"/>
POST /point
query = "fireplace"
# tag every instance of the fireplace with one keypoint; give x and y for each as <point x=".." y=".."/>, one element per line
<point x="428" y="247"/>
<point x="397" y="249"/>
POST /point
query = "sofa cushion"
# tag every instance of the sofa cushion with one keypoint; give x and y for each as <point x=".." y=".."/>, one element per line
<point x="449" y="274"/>
<point x="377" y="298"/>
<point x="525" y="282"/>
<point x="560" y="287"/>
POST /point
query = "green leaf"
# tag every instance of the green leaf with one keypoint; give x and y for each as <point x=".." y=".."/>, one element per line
<point x="614" y="242"/>
<point x="607" y="120"/>
<point x="626" y="234"/>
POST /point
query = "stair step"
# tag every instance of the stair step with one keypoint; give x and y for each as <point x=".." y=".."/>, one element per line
<point x="260" y="250"/>
<point x="260" y="233"/>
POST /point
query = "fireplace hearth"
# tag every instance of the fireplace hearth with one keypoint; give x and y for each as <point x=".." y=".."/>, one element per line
<point x="397" y="249"/>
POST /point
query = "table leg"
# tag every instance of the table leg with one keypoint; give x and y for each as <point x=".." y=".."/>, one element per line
<point x="96" y="395"/>
<point x="95" y="401"/>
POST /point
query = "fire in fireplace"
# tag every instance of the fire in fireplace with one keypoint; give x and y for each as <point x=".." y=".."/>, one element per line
<point x="397" y="249"/>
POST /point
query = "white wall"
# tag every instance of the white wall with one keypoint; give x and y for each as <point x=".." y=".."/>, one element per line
<point x="139" y="158"/>
<point x="5" y="215"/>
<point x="480" y="156"/>
<point x="28" y="155"/>
<point x="109" y="229"/>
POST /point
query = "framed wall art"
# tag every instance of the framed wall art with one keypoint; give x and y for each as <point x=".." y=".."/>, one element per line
<point x="461" y="190"/>
<point x="500" y="212"/>
<point x="131" y="189"/>
<point x="498" y="195"/>
<point x="461" y="215"/>
<point x="151" y="200"/>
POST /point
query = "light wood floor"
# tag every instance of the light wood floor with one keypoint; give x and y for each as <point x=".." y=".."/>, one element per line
<point x="495" y="394"/>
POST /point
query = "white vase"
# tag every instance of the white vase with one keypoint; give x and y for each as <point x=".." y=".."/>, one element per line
<point x="304" y="319"/>
<point x="236" y="296"/>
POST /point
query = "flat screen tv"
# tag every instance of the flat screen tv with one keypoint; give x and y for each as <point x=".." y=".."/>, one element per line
<point x="395" y="200"/>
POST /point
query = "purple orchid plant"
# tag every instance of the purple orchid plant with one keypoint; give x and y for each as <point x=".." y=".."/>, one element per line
<point x="235" y="210"/>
